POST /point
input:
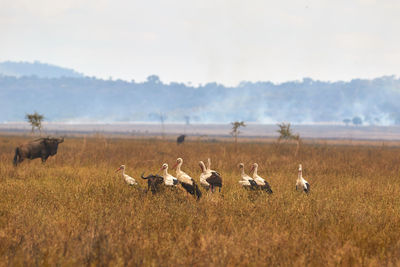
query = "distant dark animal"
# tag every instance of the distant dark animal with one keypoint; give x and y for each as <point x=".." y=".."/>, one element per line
<point x="153" y="182"/>
<point x="180" y="139"/>
<point x="39" y="148"/>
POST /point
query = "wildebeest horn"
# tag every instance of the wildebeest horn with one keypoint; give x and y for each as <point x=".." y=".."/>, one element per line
<point x="145" y="177"/>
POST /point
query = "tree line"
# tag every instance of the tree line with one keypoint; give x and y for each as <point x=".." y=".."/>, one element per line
<point x="368" y="102"/>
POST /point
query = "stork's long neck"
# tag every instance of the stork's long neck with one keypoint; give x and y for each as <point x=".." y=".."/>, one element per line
<point x="178" y="168"/>
<point x="255" y="171"/>
<point x="208" y="165"/>
<point x="165" y="172"/>
<point x="242" y="171"/>
<point x="300" y="175"/>
<point x="203" y="167"/>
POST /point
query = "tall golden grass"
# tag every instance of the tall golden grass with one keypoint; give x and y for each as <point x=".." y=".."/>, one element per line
<point x="75" y="210"/>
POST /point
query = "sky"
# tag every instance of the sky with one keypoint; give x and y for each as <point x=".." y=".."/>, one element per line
<point x="200" y="41"/>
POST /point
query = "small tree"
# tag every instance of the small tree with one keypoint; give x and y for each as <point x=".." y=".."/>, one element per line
<point x="187" y="123"/>
<point x="285" y="132"/>
<point x="162" y="118"/>
<point x="357" y="121"/>
<point x="346" y="122"/>
<point x="187" y="120"/>
<point x="235" y="128"/>
<point x="35" y="120"/>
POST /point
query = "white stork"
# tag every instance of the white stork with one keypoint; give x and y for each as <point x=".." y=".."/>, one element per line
<point x="209" y="178"/>
<point x="209" y="164"/>
<point x="169" y="180"/>
<point x="301" y="183"/>
<point x="246" y="180"/>
<point x="261" y="183"/>
<point x="203" y="176"/>
<point x="186" y="181"/>
<point x="129" y="180"/>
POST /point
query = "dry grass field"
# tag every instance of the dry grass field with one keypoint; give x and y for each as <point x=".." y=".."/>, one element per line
<point x="75" y="210"/>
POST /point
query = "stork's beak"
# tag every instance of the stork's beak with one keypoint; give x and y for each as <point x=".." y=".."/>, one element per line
<point x="117" y="169"/>
<point x="173" y="167"/>
<point x="252" y="168"/>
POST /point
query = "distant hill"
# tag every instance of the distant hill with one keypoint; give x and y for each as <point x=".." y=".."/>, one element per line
<point x="42" y="70"/>
<point x="87" y="99"/>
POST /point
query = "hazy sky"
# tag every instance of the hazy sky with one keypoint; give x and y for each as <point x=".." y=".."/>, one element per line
<point x="207" y="40"/>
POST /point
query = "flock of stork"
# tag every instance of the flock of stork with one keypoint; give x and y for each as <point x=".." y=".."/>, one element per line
<point x="209" y="179"/>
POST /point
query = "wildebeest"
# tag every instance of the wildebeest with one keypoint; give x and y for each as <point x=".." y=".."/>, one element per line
<point x="153" y="182"/>
<point x="180" y="139"/>
<point x="39" y="148"/>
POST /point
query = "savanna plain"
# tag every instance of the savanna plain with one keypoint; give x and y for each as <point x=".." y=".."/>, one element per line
<point x="75" y="210"/>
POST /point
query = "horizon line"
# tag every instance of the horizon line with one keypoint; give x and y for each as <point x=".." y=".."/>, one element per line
<point x="187" y="83"/>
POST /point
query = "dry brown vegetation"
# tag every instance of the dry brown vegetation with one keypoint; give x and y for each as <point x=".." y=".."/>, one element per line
<point x="75" y="210"/>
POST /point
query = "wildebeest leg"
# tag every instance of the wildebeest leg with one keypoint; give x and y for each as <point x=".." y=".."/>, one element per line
<point x="19" y="160"/>
<point x="16" y="156"/>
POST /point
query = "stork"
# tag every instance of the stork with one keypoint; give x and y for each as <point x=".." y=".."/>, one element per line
<point x="129" y="180"/>
<point x="301" y="183"/>
<point x="186" y="181"/>
<point x="261" y="183"/>
<point x="203" y="176"/>
<point x="209" y="164"/>
<point x="169" y="180"/>
<point x="246" y="181"/>
<point x="209" y="178"/>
